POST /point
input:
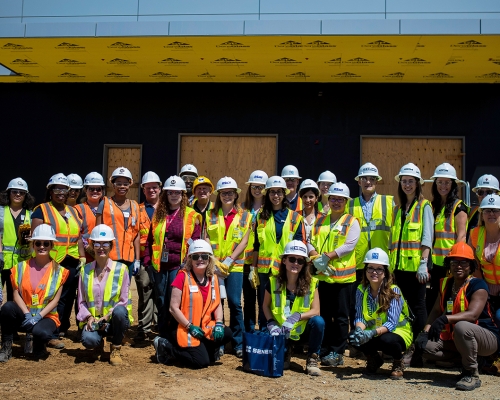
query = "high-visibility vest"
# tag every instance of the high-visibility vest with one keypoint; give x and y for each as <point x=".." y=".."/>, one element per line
<point x="377" y="319"/>
<point x="112" y="216"/>
<point x="112" y="290"/>
<point x="216" y="229"/>
<point x="472" y="214"/>
<point x="326" y="238"/>
<point x="195" y="311"/>
<point x="445" y="235"/>
<point x="270" y="251"/>
<point x="191" y="218"/>
<point x="301" y="304"/>
<point x="88" y="219"/>
<point x="411" y="239"/>
<point x="251" y="237"/>
<point x="144" y="226"/>
<point x="376" y="232"/>
<point x="491" y="271"/>
<point x="13" y="252"/>
<point x="36" y="300"/>
<point x="299" y="205"/>
<point x="67" y="231"/>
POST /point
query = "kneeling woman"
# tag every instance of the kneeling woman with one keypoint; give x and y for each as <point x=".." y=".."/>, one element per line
<point x="37" y="287"/>
<point x="291" y="305"/>
<point x="461" y="321"/>
<point x="197" y="332"/>
<point x="104" y="301"/>
<point x="381" y="316"/>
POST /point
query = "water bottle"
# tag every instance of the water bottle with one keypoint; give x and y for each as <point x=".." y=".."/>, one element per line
<point x="28" y="344"/>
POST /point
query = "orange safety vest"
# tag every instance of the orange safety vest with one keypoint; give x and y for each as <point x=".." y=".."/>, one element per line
<point x="144" y="226"/>
<point x="123" y="245"/>
<point x="87" y="217"/>
<point x="36" y="300"/>
<point x="472" y="213"/>
<point x="491" y="271"/>
<point x="195" y="311"/>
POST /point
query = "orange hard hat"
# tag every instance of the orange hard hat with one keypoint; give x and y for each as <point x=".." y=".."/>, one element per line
<point x="462" y="250"/>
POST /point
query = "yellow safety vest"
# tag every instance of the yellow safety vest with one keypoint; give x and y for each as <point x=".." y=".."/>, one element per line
<point x="13" y="252"/>
<point x="112" y="290"/>
<point x="216" y="229"/>
<point x="326" y="237"/>
<point x="377" y="319"/>
<point x="270" y="251"/>
<point x="491" y="270"/>
<point x="376" y="232"/>
<point x="445" y="235"/>
<point x="251" y="238"/>
<point x="411" y="239"/>
<point x="301" y="304"/>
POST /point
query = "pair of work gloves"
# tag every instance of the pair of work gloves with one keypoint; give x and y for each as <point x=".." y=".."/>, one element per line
<point x="360" y="336"/>
<point x="217" y="331"/>
<point x="30" y="321"/>
<point x="320" y="262"/>
<point x="287" y="326"/>
<point x="433" y="334"/>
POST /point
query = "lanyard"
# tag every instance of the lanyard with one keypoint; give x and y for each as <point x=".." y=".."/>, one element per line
<point x="169" y="220"/>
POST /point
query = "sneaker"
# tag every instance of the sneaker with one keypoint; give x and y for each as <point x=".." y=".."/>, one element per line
<point x="332" y="359"/>
<point x="312" y="367"/>
<point x="470" y="380"/>
<point x="373" y="363"/>
<point x="162" y="350"/>
<point x="238" y="353"/>
<point x="56" y="344"/>
<point x="397" y="370"/>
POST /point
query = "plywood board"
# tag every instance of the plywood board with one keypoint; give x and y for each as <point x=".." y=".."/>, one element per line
<point x="128" y="157"/>
<point x="389" y="154"/>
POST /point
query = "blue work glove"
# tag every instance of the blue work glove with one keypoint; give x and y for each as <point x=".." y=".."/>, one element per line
<point x="366" y="335"/>
<point x="218" y="331"/>
<point x="422" y="273"/>
<point x="354" y="336"/>
<point x="273" y="328"/>
<point x="436" y="328"/>
<point x="228" y="261"/>
<point x="196" y="332"/>
<point x="137" y="266"/>
<point x="26" y="324"/>
<point x="321" y="262"/>
<point x="36" y="319"/>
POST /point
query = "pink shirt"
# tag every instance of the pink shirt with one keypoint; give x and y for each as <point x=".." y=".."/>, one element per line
<point x="98" y="290"/>
<point x="36" y="274"/>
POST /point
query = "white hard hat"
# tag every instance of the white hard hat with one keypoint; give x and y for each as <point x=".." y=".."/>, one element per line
<point x="290" y="172"/>
<point x="18" y="183"/>
<point x="188" y="169"/>
<point x="102" y="233"/>
<point x="409" y="169"/>
<point x="75" y="181"/>
<point x="200" y="246"/>
<point x="490" y="201"/>
<point x="58" y="179"/>
<point x="487" y="182"/>
<point x="445" y="170"/>
<point x="257" y="176"/>
<point x="296" y="248"/>
<point x="276" y="182"/>
<point x="94" y="179"/>
<point x="227" y="183"/>
<point x="368" y="169"/>
<point x="376" y="256"/>
<point x="327" y="176"/>
<point x="150" y="177"/>
<point x="308" y="184"/>
<point x="121" y="171"/>
<point x="339" y="189"/>
<point x="43" y="232"/>
<point x="174" y="182"/>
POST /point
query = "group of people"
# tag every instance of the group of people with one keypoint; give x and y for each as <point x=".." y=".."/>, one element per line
<point x="285" y="246"/>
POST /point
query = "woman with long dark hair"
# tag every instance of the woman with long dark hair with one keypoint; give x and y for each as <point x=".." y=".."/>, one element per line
<point x="309" y="193"/>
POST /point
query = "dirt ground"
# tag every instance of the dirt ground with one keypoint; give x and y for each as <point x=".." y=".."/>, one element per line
<point x="73" y="373"/>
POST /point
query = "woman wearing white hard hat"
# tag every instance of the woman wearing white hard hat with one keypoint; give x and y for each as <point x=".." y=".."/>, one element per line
<point x="291" y="176"/>
<point x="197" y="330"/>
<point x="68" y="251"/>
<point x="382" y="316"/>
<point x="309" y="193"/>
<point x="325" y="180"/>
<point x="75" y="189"/>
<point x="450" y="227"/>
<point x="412" y="232"/>
<point x="228" y="229"/>
<point x="173" y="228"/>
<point x="291" y="305"/>
<point x="486" y="185"/>
<point x="104" y="299"/>
<point x="34" y="311"/>
<point x="333" y="239"/>
<point x="121" y="214"/>
<point x="276" y="226"/>
<point x="16" y="204"/>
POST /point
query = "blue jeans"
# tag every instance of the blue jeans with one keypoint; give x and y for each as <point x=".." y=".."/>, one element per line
<point x="118" y="324"/>
<point x="261" y="290"/>
<point x="313" y="333"/>
<point x="249" y="299"/>
<point x="162" y="281"/>
<point x="234" y="287"/>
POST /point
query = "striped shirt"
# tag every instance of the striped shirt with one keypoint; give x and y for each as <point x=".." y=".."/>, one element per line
<point x="395" y="308"/>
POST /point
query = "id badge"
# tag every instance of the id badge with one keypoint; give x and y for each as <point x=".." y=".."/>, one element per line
<point x="237" y="234"/>
<point x="68" y="215"/>
<point x="34" y="300"/>
<point x="22" y="217"/>
<point x="133" y="221"/>
<point x="193" y="288"/>
<point x="378" y="322"/>
<point x="164" y="256"/>
<point x="373" y="225"/>
<point x="126" y="214"/>
<point x="449" y="307"/>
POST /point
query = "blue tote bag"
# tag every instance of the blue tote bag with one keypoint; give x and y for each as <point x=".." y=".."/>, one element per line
<point x="263" y="354"/>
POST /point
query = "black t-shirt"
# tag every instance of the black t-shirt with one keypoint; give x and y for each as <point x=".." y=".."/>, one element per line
<point x="19" y="220"/>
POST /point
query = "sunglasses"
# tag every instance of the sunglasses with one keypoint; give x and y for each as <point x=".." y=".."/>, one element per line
<point x="491" y="211"/>
<point x="38" y="243"/>
<point x="173" y="192"/>
<point x="291" y="179"/>
<point x="484" y="192"/>
<point x="257" y="187"/>
<point x="462" y="263"/>
<point x="333" y="200"/>
<point x="378" y="271"/>
<point x="60" y="191"/>
<point x="18" y="192"/>
<point x="300" y="261"/>
<point x="276" y="193"/>
<point x="98" y="245"/>
<point x="95" y="189"/>
<point x="227" y="194"/>
<point x="196" y="257"/>
<point x="371" y="179"/>
<point x="188" y="178"/>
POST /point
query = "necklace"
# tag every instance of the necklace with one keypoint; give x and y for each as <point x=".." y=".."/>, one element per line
<point x="454" y="290"/>
<point x="203" y="282"/>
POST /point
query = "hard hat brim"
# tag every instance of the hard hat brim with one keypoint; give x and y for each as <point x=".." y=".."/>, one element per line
<point x="42" y="237"/>
<point x="53" y="184"/>
<point x="75" y="187"/>
<point x="255" y="182"/>
<point x="103" y="239"/>
<point x="295" y="254"/>
<point x="453" y="178"/>
<point x="398" y="178"/>
<point x="378" y="262"/>
<point x="287" y="191"/>
<point x="338" y="195"/>
<point x="238" y="190"/>
<point x="291" y="176"/>
<point x="379" y="178"/>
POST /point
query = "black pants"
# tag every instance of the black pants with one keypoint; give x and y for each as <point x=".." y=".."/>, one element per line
<point x="438" y="272"/>
<point x="389" y="343"/>
<point x="201" y="356"/>
<point x="336" y="300"/>
<point x="352" y="312"/>
<point x="6" y="281"/>
<point x="249" y="301"/>
<point x="11" y="319"/>
<point x="414" y="294"/>
<point x="68" y="295"/>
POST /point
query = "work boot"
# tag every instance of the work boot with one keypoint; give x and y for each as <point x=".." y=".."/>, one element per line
<point x="470" y="380"/>
<point x="163" y="350"/>
<point x="312" y="365"/>
<point x="115" y="359"/>
<point x="6" y="351"/>
<point x="332" y="359"/>
<point x="56" y="344"/>
<point x="397" y="370"/>
<point x="288" y="357"/>
<point x="373" y="363"/>
<point x="40" y="351"/>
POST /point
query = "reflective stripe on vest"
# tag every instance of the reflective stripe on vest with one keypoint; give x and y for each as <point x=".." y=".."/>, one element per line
<point x="12" y="252"/>
<point x="491" y="270"/>
<point x="460" y="304"/>
<point x="445" y="234"/>
<point x="88" y="219"/>
<point x="144" y="226"/>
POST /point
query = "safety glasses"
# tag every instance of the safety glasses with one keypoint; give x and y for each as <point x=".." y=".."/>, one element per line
<point x="60" y="191"/>
<point x="227" y="194"/>
<point x="378" y="271"/>
<point x="121" y="184"/>
<point x="188" y="178"/>
<point x="39" y="243"/>
<point x="196" y="257"/>
<point x="484" y="192"/>
<point x="293" y="260"/>
<point x="18" y="192"/>
<point x="462" y="263"/>
<point x="105" y="245"/>
<point x="95" y="189"/>
<point x="257" y="187"/>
